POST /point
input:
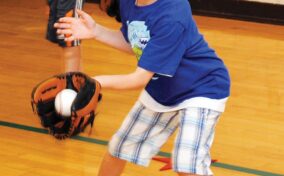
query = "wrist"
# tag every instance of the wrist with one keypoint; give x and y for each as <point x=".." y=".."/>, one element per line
<point x="97" y="31"/>
<point x="98" y="79"/>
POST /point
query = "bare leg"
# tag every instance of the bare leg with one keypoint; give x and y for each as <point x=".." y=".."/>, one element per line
<point x="111" y="166"/>
<point x="72" y="59"/>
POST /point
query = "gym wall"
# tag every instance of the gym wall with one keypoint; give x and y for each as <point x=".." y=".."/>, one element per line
<point x="264" y="11"/>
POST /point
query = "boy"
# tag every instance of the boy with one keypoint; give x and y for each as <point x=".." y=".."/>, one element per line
<point x="186" y="85"/>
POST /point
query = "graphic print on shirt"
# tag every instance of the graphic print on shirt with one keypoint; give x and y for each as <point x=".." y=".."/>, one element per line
<point x="138" y="35"/>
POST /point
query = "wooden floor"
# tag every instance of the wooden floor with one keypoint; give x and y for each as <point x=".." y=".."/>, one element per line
<point x="250" y="134"/>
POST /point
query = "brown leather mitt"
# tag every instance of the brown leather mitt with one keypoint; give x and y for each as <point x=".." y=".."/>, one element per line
<point x="83" y="109"/>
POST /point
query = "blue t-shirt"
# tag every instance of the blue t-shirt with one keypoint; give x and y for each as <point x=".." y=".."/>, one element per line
<point x="166" y="41"/>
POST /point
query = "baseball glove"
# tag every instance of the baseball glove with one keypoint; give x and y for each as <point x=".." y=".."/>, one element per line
<point x="83" y="109"/>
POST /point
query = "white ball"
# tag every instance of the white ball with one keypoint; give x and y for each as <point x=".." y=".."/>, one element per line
<point x="63" y="102"/>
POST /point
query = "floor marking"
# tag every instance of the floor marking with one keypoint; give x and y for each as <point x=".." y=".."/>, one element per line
<point x="164" y="154"/>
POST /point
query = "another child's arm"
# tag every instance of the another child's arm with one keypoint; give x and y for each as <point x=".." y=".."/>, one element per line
<point x="86" y="28"/>
<point x="138" y="79"/>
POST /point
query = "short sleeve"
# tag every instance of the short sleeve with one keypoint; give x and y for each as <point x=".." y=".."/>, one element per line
<point x="123" y="28"/>
<point x="165" y="49"/>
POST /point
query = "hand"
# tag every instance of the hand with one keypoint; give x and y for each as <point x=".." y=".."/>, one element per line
<point x="76" y="28"/>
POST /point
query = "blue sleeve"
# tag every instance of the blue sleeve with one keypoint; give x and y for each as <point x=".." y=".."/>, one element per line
<point x="123" y="27"/>
<point x="164" y="50"/>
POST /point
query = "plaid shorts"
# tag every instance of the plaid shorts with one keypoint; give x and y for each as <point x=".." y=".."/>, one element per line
<point x="58" y="9"/>
<point x="144" y="131"/>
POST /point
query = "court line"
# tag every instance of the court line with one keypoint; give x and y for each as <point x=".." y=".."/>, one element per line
<point x="164" y="154"/>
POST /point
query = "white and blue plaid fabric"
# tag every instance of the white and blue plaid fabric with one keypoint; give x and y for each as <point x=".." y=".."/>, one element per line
<point x="144" y="131"/>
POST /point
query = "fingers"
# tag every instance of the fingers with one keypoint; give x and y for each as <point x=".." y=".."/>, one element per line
<point x="64" y="22"/>
<point x="64" y="31"/>
<point x="82" y="14"/>
<point x="62" y="25"/>
<point x="68" y="34"/>
<point x="69" y="26"/>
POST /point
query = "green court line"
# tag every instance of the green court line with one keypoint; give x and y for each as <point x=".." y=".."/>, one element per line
<point x="164" y="154"/>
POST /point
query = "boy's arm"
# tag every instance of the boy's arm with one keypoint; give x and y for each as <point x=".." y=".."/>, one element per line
<point x="86" y="28"/>
<point x="111" y="37"/>
<point x="138" y="79"/>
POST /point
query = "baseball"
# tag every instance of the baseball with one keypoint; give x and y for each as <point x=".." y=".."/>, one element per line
<point x="63" y="102"/>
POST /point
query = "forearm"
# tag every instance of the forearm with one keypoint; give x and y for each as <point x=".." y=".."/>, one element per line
<point x="119" y="82"/>
<point x="135" y="80"/>
<point x="111" y="37"/>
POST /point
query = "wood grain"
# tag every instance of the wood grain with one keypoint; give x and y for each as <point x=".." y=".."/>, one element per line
<point x="249" y="134"/>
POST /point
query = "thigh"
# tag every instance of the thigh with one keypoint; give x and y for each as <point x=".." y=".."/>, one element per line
<point x="194" y="140"/>
<point x="142" y="134"/>
<point x="67" y="7"/>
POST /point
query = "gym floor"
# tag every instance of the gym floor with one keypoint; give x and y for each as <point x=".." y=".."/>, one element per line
<point x="249" y="136"/>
